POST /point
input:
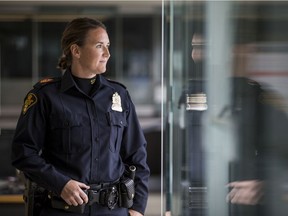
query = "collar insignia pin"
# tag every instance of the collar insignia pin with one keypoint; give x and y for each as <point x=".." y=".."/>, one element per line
<point x="116" y="102"/>
<point x="92" y="81"/>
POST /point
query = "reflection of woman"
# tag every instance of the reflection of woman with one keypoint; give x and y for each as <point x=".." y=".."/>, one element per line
<point x="262" y="141"/>
<point x="192" y="105"/>
<point x="85" y="127"/>
<point x="250" y="191"/>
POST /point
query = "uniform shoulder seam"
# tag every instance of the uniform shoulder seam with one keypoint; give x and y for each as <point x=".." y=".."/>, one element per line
<point x="113" y="81"/>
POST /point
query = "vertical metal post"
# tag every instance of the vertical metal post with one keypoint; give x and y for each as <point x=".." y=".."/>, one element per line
<point x="218" y="139"/>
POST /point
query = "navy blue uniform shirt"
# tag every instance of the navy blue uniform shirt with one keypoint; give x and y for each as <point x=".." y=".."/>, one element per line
<point x="64" y="134"/>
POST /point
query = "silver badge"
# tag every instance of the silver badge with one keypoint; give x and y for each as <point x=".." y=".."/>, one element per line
<point x="116" y="102"/>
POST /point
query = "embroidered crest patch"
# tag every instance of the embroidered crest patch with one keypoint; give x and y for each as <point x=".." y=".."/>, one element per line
<point x="30" y="100"/>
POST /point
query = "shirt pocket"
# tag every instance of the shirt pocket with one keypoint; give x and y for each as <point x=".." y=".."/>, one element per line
<point x="118" y="122"/>
<point x="66" y="134"/>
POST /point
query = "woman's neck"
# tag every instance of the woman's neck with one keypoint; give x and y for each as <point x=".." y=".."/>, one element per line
<point x="80" y="73"/>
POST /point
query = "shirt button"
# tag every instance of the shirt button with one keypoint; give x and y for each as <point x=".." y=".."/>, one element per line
<point x="97" y="139"/>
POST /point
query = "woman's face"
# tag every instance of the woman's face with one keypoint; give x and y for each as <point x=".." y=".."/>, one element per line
<point x="92" y="57"/>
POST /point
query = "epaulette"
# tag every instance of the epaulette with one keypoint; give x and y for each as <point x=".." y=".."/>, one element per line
<point x="113" y="81"/>
<point x="46" y="81"/>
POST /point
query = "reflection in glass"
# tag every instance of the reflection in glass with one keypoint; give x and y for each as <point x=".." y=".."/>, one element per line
<point x="226" y="145"/>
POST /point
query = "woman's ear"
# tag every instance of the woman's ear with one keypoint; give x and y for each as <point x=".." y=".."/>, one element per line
<point x="75" y="51"/>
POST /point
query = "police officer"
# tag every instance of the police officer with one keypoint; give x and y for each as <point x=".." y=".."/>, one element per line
<point x="81" y="129"/>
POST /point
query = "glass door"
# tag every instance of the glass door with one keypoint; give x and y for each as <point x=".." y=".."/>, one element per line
<point x="226" y="108"/>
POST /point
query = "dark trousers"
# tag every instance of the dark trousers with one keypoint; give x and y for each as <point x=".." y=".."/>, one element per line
<point x="93" y="210"/>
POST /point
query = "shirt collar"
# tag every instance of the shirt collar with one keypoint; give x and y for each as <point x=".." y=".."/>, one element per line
<point x="104" y="81"/>
<point x="68" y="81"/>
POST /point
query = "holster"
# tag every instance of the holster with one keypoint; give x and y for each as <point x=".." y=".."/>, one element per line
<point x="34" y="197"/>
<point x="58" y="203"/>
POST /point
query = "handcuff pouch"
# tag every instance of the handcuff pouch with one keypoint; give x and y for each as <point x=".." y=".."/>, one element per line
<point x="127" y="192"/>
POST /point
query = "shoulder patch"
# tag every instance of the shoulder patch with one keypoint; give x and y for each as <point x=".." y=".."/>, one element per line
<point x="46" y="81"/>
<point x="30" y="100"/>
<point x="113" y="81"/>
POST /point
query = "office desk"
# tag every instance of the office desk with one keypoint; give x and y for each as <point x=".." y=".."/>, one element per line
<point x="11" y="205"/>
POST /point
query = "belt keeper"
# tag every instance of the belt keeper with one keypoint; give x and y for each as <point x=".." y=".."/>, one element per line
<point x="93" y="196"/>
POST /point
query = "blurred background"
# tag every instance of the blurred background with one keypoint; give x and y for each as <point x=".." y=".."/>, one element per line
<point x="151" y="53"/>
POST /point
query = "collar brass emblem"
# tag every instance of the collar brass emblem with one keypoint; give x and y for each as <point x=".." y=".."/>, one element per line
<point x="92" y="81"/>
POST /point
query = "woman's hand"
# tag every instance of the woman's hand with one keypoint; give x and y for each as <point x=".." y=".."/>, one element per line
<point x="73" y="193"/>
<point x="134" y="213"/>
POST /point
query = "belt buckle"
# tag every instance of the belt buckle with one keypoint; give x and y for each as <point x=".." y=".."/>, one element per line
<point x="107" y="197"/>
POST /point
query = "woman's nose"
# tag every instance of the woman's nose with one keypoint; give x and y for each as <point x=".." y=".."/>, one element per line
<point x="106" y="51"/>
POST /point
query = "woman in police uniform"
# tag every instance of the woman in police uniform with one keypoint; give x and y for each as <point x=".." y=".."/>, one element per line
<point x="79" y="131"/>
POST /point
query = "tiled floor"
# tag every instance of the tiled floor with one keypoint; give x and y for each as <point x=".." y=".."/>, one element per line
<point x="153" y="205"/>
<point x="154" y="199"/>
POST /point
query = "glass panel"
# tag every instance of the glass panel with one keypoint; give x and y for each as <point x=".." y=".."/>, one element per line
<point x="181" y="75"/>
<point x="227" y="108"/>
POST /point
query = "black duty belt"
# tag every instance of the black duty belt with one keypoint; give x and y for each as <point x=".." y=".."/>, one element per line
<point x="120" y="192"/>
<point x="105" y="194"/>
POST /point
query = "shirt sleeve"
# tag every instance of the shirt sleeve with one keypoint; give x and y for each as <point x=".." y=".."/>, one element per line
<point x="134" y="153"/>
<point x="28" y="142"/>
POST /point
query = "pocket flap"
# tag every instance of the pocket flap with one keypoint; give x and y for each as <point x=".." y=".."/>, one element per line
<point x="64" y="121"/>
<point x="118" y="119"/>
